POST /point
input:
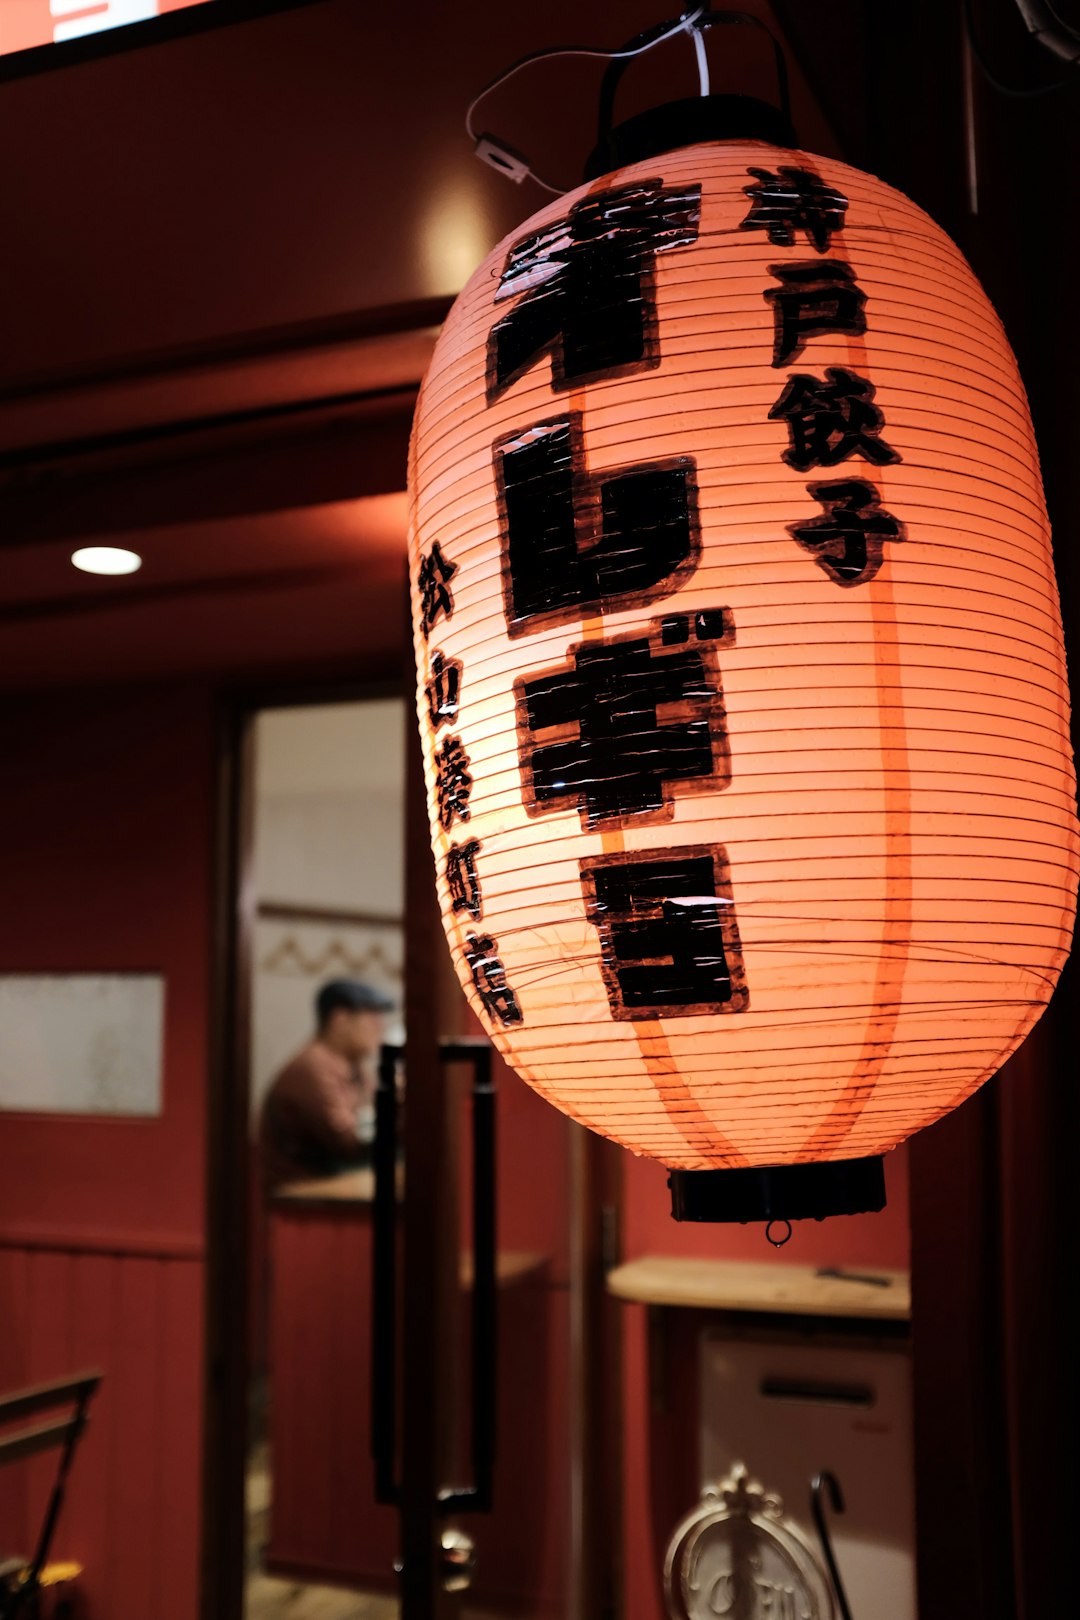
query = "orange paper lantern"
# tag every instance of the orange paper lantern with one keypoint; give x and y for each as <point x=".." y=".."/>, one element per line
<point x="741" y="677"/>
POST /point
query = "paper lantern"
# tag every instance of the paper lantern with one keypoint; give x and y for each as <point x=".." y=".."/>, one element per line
<point x="741" y="676"/>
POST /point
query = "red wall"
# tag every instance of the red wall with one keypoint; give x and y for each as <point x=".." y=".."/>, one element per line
<point x="324" y="1524"/>
<point x="105" y="864"/>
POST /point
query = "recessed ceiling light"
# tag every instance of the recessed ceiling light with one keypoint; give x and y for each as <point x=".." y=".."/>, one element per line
<point x="106" y="560"/>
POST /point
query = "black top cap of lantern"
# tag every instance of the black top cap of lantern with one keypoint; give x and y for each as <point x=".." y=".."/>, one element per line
<point x="686" y="123"/>
<point x="729" y="117"/>
<point x="782" y="1192"/>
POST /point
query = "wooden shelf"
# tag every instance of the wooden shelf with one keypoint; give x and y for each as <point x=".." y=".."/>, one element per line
<point x="740" y="1285"/>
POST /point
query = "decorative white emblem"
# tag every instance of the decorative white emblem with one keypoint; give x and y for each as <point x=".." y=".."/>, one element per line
<point x="736" y="1557"/>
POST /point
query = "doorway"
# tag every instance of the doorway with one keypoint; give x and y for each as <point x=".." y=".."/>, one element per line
<point x="326" y="898"/>
<point x="318" y="830"/>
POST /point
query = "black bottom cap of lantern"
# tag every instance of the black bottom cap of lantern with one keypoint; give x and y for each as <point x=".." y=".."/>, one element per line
<point x="779" y="1192"/>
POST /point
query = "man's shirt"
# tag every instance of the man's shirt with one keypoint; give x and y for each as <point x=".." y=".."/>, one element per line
<point x="309" y="1117"/>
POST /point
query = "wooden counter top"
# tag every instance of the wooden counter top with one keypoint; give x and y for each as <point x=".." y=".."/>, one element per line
<point x="742" y="1285"/>
<point x="511" y="1266"/>
<point x="350" y="1187"/>
<point x="357" y="1187"/>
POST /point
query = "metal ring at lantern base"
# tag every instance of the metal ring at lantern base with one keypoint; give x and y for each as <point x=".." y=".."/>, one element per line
<point x="779" y="1192"/>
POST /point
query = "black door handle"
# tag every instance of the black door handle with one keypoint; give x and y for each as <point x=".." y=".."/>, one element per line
<point x="384" y="1282"/>
<point x="476" y="1497"/>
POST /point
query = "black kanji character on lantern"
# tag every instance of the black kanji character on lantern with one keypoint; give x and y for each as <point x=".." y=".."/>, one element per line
<point x="832" y="419"/>
<point x="794" y="200"/>
<point x="443" y="690"/>
<point x="669" y="945"/>
<point x="433" y="578"/>
<point x="462" y="879"/>
<point x="849" y="536"/>
<point x="620" y="761"/>
<point x="586" y="285"/>
<point x="819" y="296"/>
<point x="574" y="543"/>
<point x="453" y="782"/>
<point x="489" y="979"/>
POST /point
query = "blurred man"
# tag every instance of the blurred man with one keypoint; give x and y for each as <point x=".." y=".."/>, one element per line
<point x="317" y="1115"/>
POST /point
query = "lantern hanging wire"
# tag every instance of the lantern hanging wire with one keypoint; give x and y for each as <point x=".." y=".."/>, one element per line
<point x="1043" y="22"/>
<point x="491" y="149"/>
<point x="1065" y="45"/>
<point x="1051" y="29"/>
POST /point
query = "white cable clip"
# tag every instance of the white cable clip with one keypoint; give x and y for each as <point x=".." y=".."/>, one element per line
<point x="489" y="149"/>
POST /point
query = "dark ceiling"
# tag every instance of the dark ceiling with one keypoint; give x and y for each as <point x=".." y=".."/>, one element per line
<point x="226" y="256"/>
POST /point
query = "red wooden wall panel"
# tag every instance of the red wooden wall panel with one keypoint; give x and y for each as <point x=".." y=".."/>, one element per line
<point x="180" y="1430"/>
<point x="106" y="865"/>
<point x="128" y="1517"/>
<point x="324" y="1520"/>
<point x="91" y="1517"/>
<point x="523" y="1546"/>
<point x="14" y="1303"/>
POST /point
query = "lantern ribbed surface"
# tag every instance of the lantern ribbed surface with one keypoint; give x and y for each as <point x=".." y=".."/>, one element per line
<point x="835" y="787"/>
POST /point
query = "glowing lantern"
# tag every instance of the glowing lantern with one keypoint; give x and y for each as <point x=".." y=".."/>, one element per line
<point x="742" y="685"/>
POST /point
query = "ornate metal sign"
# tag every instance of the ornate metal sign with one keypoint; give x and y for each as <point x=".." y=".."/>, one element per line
<point x="737" y="1557"/>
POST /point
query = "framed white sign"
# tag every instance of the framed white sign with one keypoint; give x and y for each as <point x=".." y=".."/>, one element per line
<point x="81" y="1043"/>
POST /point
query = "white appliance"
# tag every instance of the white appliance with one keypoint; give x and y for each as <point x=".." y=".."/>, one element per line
<point x="791" y="1405"/>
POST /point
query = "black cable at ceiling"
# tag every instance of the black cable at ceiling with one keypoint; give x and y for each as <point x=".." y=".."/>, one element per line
<point x="1050" y="28"/>
<point x="1021" y="92"/>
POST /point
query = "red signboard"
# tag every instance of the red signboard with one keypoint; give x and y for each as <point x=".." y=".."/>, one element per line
<point x="26" y="23"/>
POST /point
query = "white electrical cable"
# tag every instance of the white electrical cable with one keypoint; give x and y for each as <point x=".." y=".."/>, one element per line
<point x="702" y="60"/>
<point x="685" y="25"/>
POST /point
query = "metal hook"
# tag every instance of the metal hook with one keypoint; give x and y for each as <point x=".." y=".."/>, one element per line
<point x="821" y="1483"/>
